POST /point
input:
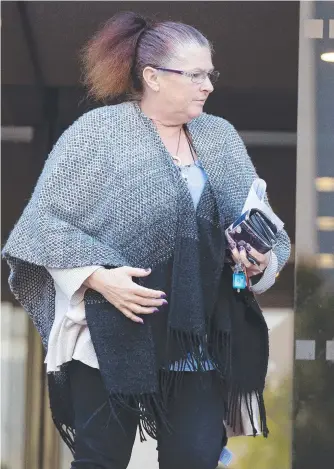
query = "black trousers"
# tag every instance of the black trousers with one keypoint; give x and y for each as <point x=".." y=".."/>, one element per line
<point x="196" y="416"/>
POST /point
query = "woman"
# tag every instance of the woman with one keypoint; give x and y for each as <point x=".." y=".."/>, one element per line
<point x="119" y="258"/>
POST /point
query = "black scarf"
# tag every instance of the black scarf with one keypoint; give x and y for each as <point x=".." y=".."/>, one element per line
<point x="205" y="317"/>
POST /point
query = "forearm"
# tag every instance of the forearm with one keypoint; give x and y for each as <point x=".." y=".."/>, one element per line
<point x="279" y="256"/>
<point x="242" y="174"/>
<point x="268" y="278"/>
<point x="282" y="249"/>
<point x="71" y="281"/>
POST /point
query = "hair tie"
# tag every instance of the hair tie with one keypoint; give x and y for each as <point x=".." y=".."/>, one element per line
<point x="145" y="28"/>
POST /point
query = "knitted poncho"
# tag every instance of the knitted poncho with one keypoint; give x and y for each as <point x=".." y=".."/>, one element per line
<point x="109" y="194"/>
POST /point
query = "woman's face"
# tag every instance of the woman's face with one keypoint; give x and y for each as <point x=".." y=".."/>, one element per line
<point x="178" y="94"/>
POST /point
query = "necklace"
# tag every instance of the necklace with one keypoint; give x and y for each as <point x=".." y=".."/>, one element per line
<point x="175" y="157"/>
<point x="184" y="168"/>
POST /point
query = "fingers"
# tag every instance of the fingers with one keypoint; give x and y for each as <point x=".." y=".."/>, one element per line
<point x="130" y="298"/>
<point x="254" y="270"/>
<point x="138" y="309"/>
<point x="243" y="257"/>
<point x="241" y="252"/>
<point x="138" y="289"/>
<point x="148" y="302"/>
<point x="135" y="272"/>
<point x="234" y="250"/>
<point x="250" y="268"/>
<point x="130" y="315"/>
<point x="147" y="292"/>
<point x="261" y="258"/>
<point x="130" y="310"/>
<point x="236" y="256"/>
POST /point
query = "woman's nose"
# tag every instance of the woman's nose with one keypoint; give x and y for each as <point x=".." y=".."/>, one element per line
<point x="207" y="85"/>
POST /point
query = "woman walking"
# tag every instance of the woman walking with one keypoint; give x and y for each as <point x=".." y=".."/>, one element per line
<point x="119" y="258"/>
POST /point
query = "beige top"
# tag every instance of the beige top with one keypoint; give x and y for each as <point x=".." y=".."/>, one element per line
<point x="69" y="337"/>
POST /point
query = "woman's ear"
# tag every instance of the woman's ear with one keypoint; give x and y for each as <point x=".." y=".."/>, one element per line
<point x="151" y="78"/>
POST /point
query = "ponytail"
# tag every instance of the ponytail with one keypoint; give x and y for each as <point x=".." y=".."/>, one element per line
<point x="109" y="57"/>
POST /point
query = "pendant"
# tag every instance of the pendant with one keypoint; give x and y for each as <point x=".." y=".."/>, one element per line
<point x="177" y="160"/>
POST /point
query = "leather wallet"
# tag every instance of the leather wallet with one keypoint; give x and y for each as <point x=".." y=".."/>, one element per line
<point x="255" y="228"/>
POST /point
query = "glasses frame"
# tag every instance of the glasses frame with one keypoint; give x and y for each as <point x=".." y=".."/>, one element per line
<point x="213" y="76"/>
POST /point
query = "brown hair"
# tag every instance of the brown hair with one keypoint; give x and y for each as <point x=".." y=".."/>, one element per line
<point x="114" y="59"/>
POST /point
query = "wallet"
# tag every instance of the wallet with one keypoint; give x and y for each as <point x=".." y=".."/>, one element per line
<point x="255" y="228"/>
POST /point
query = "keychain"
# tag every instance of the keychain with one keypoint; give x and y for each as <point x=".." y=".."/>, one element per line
<point x="239" y="278"/>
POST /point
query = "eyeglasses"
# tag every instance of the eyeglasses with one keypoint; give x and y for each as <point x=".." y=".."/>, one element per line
<point x="196" y="77"/>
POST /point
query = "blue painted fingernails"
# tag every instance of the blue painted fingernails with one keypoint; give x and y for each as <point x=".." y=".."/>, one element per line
<point x="165" y="302"/>
<point x="155" y="310"/>
<point x="163" y="296"/>
<point x="248" y="247"/>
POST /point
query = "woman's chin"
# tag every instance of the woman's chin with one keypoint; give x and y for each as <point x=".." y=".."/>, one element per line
<point x="195" y="111"/>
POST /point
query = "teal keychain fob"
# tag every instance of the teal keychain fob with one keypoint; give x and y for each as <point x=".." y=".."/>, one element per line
<point x="239" y="278"/>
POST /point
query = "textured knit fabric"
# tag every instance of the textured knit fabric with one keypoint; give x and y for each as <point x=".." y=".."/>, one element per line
<point x="70" y="337"/>
<point x="269" y="276"/>
<point x="110" y="195"/>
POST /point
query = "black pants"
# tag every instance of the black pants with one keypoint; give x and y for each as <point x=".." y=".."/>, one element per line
<point x="196" y="416"/>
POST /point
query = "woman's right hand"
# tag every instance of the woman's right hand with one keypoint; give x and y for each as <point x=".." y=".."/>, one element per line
<point x="117" y="286"/>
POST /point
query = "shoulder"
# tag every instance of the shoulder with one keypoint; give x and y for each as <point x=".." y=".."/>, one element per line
<point x="98" y="119"/>
<point x="95" y="127"/>
<point x="216" y="128"/>
<point x="212" y="123"/>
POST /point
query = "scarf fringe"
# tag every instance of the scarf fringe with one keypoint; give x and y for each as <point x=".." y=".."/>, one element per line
<point x="192" y="348"/>
<point x="149" y="408"/>
<point x="263" y="416"/>
<point x="67" y="434"/>
<point x="221" y="353"/>
<point x="196" y="351"/>
<point x="234" y="414"/>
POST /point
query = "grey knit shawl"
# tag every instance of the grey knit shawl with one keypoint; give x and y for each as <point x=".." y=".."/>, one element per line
<point x="107" y="153"/>
<point x="108" y="196"/>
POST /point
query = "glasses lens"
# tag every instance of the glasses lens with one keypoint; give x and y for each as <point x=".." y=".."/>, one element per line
<point x="214" y="76"/>
<point x="201" y="77"/>
<point x="198" y="77"/>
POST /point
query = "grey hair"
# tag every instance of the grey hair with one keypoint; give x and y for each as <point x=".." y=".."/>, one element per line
<point x="160" y="44"/>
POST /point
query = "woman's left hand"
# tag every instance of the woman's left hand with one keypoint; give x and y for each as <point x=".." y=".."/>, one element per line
<point x="239" y="254"/>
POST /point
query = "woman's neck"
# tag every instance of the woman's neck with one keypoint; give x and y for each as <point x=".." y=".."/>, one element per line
<point x="165" y="121"/>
